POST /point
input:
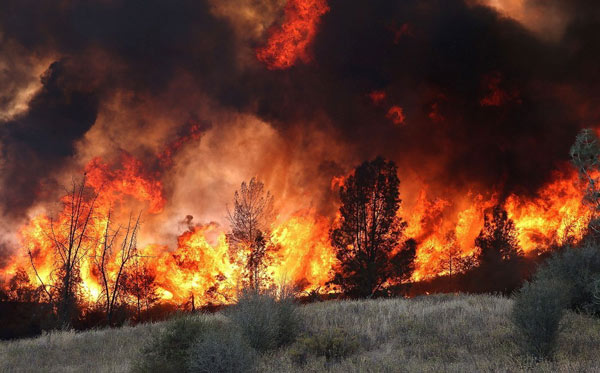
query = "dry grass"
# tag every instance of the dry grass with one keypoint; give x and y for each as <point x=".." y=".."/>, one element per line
<point x="436" y="333"/>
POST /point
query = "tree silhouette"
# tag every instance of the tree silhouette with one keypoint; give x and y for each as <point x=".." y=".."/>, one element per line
<point x="113" y="281"/>
<point x="497" y="241"/>
<point x="71" y="242"/>
<point x="139" y="286"/>
<point x="20" y="288"/>
<point x="499" y="252"/>
<point x="250" y="222"/>
<point x="369" y="230"/>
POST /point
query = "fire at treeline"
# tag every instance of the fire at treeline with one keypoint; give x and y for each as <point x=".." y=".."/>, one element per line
<point x="161" y="156"/>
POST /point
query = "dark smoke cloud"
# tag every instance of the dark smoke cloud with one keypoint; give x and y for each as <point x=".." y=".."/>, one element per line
<point x="438" y="72"/>
<point x="444" y="61"/>
<point x="40" y="142"/>
<point x="108" y="47"/>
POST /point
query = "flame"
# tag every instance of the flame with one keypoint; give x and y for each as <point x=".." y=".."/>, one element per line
<point x="290" y="41"/>
<point x="201" y="264"/>
<point x="114" y="187"/>
<point x="198" y="266"/>
<point x="129" y="180"/>
<point x="554" y="217"/>
<point x="306" y="255"/>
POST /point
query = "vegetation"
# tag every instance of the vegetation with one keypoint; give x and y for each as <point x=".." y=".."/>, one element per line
<point x="250" y="222"/>
<point x="333" y="344"/>
<point x="577" y="270"/>
<point x="370" y="230"/>
<point x="585" y="156"/>
<point x="168" y="350"/>
<point x="220" y="348"/>
<point x="569" y="279"/>
<point x="265" y="321"/>
<point x="537" y="311"/>
<point x="499" y="255"/>
<point x="435" y="333"/>
<point x="70" y="248"/>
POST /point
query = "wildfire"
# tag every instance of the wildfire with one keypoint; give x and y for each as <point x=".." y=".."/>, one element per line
<point x="129" y="180"/>
<point x="203" y="265"/>
<point x="290" y="41"/>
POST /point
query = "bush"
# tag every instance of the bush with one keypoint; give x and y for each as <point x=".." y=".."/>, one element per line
<point x="578" y="269"/>
<point x="536" y="313"/>
<point x="266" y="323"/>
<point x="333" y="344"/>
<point x="168" y="351"/>
<point x="220" y="350"/>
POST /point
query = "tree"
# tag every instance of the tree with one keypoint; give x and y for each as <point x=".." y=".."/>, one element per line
<point x="140" y="286"/>
<point x="70" y="243"/>
<point x="451" y="256"/>
<point x="20" y="289"/>
<point x="497" y="241"/>
<point x="499" y="252"/>
<point x="369" y="230"/>
<point x="250" y="223"/>
<point x="585" y="156"/>
<point x="112" y="281"/>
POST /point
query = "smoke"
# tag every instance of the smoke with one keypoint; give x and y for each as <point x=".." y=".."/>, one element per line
<point x="488" y="103"/>
<point x="39" y="143"/>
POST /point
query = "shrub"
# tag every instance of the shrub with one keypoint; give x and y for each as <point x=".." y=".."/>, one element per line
<point x="168" y="351"/>
<point x="220" y="350"/>
<point x="578" y="269"/>
<point x="536" y="313"/>
<point x="266" y="323"/>
<point x="333" y="344"/>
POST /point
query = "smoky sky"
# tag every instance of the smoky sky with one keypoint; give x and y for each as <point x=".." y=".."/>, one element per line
<point x="440" y="70"/>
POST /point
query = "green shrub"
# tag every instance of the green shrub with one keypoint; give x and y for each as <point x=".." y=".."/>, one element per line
<point x="168" y="351"/>
<point x="266" y="323"/>
<point x="333" y="344"/>
<point x="221" y="350"/>
<point x="536" y="313"/>
<point x="578" y="269"/>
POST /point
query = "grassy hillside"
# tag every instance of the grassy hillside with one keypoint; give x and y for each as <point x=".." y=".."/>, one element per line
<point x="435" y="333"/>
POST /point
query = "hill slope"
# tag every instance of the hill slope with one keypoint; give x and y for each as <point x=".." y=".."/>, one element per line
<point x="435" y="333"/>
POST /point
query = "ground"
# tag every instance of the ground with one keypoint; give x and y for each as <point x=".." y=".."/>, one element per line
<point x="450" y="333"/>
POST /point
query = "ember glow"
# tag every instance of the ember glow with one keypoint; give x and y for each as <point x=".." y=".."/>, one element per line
<point x="475" y="101"/>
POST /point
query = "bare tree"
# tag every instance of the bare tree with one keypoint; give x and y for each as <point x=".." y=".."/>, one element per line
<point x="250" y="221"/>
<point x="70" y="242"/>
<point x="112" y="281"/>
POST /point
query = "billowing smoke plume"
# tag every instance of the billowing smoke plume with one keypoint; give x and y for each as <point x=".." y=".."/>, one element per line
<point x="38" y="143"/>
<point x="464" y="97"/>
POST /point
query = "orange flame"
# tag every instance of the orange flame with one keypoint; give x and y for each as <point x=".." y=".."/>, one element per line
<point x="291" y="40"/>
<point x="202" y="264"/>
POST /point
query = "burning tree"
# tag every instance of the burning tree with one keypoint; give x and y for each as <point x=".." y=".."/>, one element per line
<point x="112" y="279"/>
<point x="452" y="255"/>
<point x="369" y="230"/>
<point x="499" y="250"/>
<point x="70" y="241"/>
<point x="497" y="241"/>
<point x="139" y="286"/>
<point x="250" y="229"/>
<point x="585" y="156"/>
<point x="20" y="288"/>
